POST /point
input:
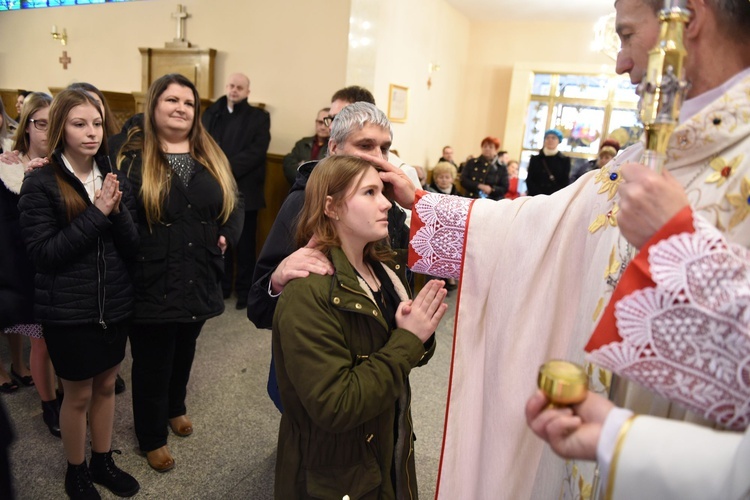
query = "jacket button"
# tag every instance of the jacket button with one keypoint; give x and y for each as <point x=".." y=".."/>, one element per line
<point x="190" y="281"/>
<point x="357" y="306"/>
<point x="336" y="300"/>
<point x="397" y="266"/>
<point x="374" y="312"/>
<point x="190" y="244"/>
<point x="189" y="205"/>
<point x="194" y="318"/>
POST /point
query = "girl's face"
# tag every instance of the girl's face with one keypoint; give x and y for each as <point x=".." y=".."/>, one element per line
<point x="37" y="130"/>
<point x="175" y="109"/>
<point x="364" y="216"/>
<point x="83" y="131"/>
<point x="444" y="180"/>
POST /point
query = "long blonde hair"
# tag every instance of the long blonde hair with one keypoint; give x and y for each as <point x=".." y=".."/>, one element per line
<point x="334" y="176"/>
<point x="155" y="179"/>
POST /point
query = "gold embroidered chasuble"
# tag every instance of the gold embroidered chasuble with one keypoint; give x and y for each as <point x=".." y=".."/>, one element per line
<point x="536" y="273"/>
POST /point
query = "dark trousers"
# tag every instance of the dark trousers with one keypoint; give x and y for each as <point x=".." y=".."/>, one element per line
<point x="244" y="258"/>
<point x="162" y="359"/>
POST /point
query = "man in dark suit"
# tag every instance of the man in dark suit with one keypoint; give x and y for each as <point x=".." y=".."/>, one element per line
<point x="243" y="132"/>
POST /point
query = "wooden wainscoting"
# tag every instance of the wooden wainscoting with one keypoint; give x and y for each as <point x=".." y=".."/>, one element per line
<point x="8" y="97"/>
<point x="276" y="189"/>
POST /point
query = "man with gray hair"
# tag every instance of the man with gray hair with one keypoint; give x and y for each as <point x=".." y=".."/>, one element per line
<point x="358" y="129"/>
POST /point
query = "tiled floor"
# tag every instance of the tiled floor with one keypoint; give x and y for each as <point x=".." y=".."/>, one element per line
<point x="232" y="452"/>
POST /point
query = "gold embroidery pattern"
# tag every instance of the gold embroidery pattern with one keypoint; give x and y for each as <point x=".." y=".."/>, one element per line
<point x="610" y="181"/>
<point x="605" y="220"/>
<point x="740" y="202"/>
<point x="574" y="485"/>
<point x="723" y="170"/>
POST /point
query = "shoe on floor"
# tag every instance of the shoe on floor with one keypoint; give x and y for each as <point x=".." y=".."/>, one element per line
<point x="160" y="459"/>
<point x="78" y="483"/>
<point x="241" y="304"/>
<point x="119" y="385"/>
<point x="51" y="416"/>
<point x="26" y="380"/>
<point x="181" y="426"/>
<point x="8" y="387"/>
<point x="104" y="471"/>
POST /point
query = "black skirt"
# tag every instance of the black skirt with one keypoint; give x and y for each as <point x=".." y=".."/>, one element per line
<point x="80" y="352"/>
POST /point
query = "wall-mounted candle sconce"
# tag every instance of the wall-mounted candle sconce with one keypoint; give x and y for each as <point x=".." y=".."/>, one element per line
<point x="56" y="35"/>
<point x="431" y="68"/>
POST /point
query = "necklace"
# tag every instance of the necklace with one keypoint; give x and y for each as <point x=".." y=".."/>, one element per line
<point x="377" y="294"/>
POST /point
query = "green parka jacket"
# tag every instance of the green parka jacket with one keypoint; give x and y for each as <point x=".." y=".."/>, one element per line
<point x="343" y="378"/>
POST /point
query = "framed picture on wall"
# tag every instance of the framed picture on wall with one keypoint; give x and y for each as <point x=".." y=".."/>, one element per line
<point x="398" y="103"/>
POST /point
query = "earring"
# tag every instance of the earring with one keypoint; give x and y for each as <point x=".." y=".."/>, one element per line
<point x="337" y="217"/>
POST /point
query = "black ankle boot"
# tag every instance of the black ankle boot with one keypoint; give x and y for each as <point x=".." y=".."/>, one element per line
<point x="51" y="416"/>
<point x="119" y="385"/>
<point x="105" y="472"/>
<point x="78" y="483"/>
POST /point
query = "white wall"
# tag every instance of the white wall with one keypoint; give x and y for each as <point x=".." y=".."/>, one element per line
<point x="494" y="50"/>
<point x="416" y="33"/>
<point x="296" y="53"/>
<point x="293" y="50"/>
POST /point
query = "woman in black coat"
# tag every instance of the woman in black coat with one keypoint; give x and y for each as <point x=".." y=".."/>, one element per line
<point x="77" y="222"/>
<point x="549" y="171"/>
<point x="188" y="211"/>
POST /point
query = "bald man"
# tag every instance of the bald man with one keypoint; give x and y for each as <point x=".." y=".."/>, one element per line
<point x="243" y="132"/>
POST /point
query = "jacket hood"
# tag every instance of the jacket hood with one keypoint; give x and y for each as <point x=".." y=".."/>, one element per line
<point x="303" y="173"/>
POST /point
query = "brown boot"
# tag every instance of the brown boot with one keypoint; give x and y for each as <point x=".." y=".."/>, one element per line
<point x="181" y="426"/>
<point x="160" y="459"/>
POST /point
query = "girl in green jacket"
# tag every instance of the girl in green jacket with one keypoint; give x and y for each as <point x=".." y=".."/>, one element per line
<point x="344" y="345"/>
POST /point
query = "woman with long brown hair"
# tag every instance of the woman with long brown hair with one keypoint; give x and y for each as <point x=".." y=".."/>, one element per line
<point x="77" y="220"/>
<point x="188" y="211"/>
<point x="345" y="344"/>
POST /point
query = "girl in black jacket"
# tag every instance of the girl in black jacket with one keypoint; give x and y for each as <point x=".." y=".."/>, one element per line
<point x="188" y="211"/>
<point x="77" y="222"/>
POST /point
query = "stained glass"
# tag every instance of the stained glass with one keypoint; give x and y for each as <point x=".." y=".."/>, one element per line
<point x="42" y="4"/>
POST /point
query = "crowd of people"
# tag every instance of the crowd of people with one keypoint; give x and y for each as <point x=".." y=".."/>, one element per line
<point x="145" y="241"/>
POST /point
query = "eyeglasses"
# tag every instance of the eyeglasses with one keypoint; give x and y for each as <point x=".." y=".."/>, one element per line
<point x="40" y="125"/>
<point x="321" y="122"/>
<point x="328" y="120"/>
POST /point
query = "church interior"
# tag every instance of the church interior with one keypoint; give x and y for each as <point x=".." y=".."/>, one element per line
<point x="467" y="71"/>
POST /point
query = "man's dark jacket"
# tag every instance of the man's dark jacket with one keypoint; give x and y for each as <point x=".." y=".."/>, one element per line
<point x="280" y="243"/>
<point x="302" y="152"/>
<point x="244" y="136"/>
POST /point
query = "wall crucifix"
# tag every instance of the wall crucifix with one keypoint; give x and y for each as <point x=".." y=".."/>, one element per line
<point x="65" y="60"/>
<point x="180" y="16"/>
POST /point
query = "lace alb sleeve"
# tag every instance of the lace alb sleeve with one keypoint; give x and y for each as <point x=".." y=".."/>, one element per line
<point x="438" y="234"/>
<point x="688" y="337"/>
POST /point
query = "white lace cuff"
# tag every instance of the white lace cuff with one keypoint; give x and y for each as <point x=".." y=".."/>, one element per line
<point x="439" y="241"/>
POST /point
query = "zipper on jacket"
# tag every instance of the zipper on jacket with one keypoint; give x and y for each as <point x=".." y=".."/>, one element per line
<point x="101" y="290"/>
